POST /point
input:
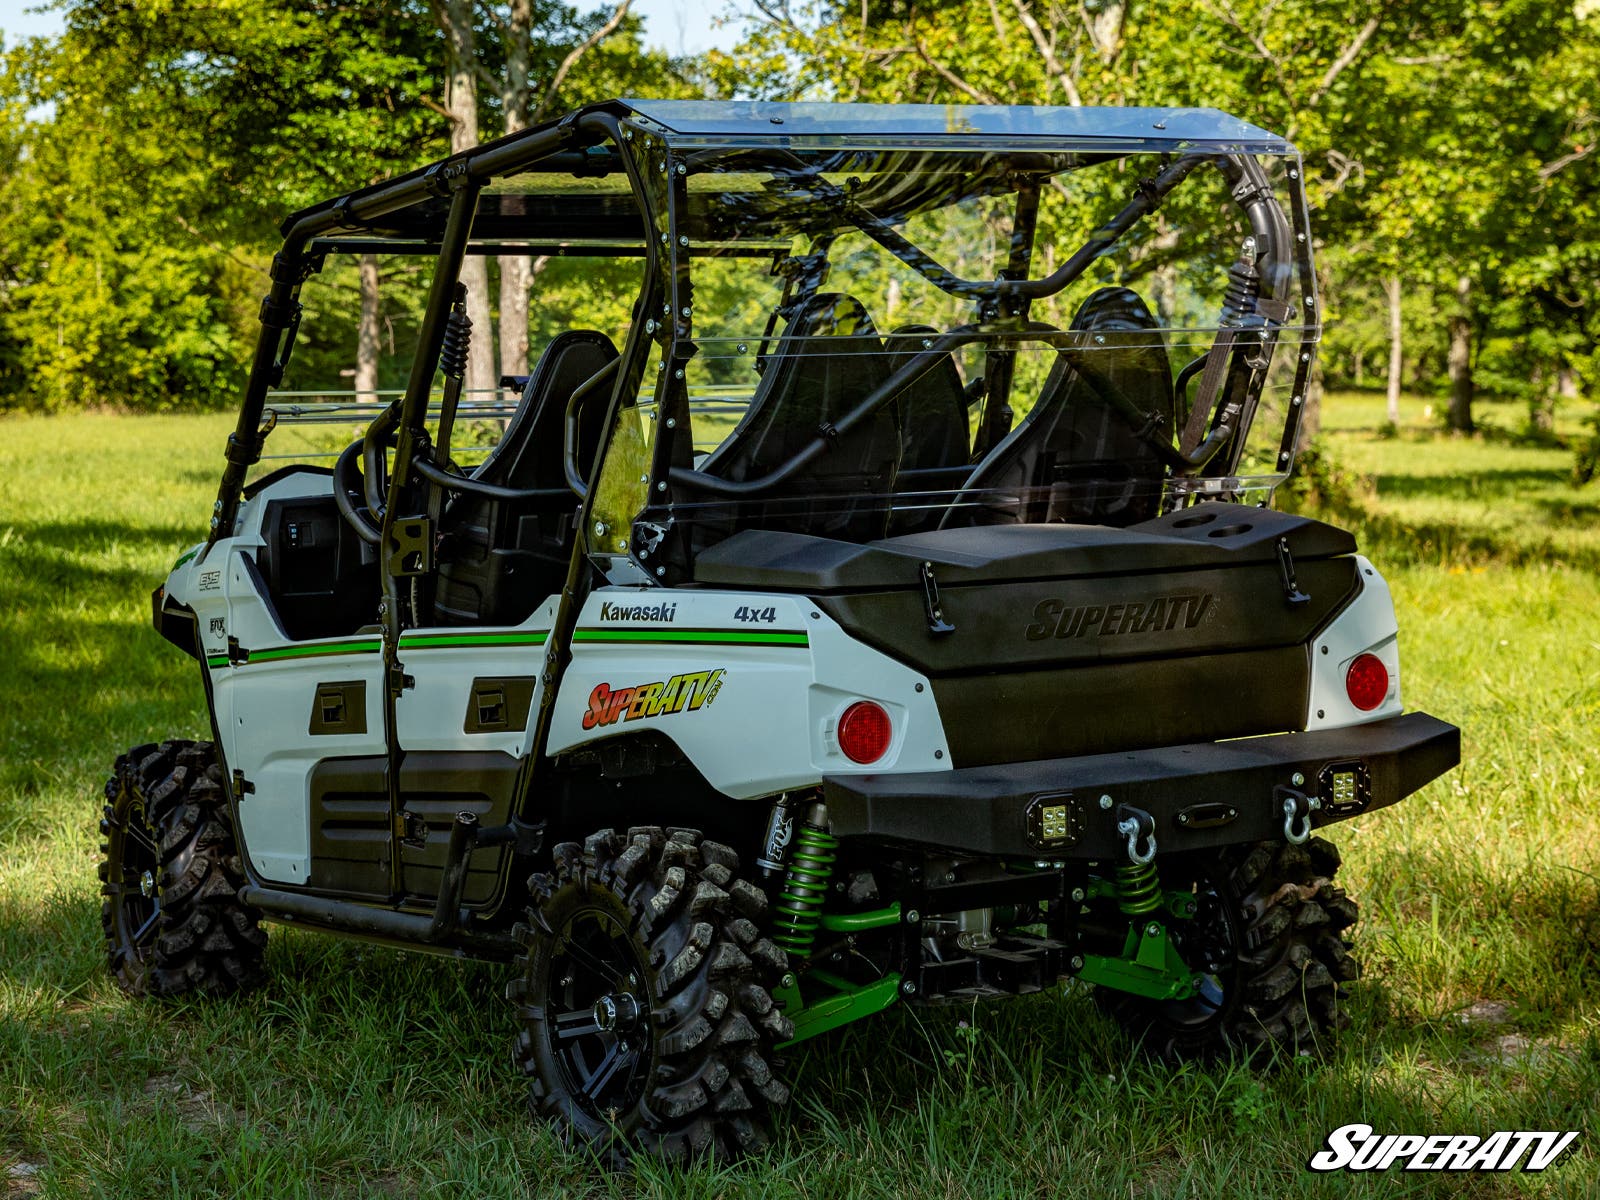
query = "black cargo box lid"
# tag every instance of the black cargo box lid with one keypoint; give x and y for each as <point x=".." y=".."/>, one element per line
<point x="1204" y="535"/>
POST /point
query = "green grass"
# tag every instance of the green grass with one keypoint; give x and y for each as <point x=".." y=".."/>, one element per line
<point x="362" y="1072"/>
<point x="1494" y="497"/>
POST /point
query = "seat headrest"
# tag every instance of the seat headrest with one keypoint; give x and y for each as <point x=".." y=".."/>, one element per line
<point x="829" y="314"/>
<point x="1117" y="308"/>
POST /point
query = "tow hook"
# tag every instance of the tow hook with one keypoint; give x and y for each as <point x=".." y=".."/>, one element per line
<point x="1297" y="810"/>
<point x="1137" y="825"/>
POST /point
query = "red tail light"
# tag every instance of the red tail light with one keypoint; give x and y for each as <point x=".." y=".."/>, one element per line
<point x="864" y="732"/>
<point x="1367" y="682"/>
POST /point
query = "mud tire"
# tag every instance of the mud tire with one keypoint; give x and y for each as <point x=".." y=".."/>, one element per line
<point x="1273" y="927"/>
<point x="677" y="938"/>
<point x="170" y="874"/>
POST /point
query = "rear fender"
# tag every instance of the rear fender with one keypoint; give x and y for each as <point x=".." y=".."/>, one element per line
<point x="748" y="686"/>
<point x="1364" y="626"/>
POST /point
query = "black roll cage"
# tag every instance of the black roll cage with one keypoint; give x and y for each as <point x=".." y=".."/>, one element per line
<point x="572" y="144"/>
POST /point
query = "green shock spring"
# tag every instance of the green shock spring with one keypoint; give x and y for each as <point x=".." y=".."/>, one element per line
<point x="799" y="905"/>
<point x="1138" y="890"/>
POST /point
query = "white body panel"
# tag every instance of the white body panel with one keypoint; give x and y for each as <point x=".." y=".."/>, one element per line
<point x="749" y="686"/>
<point x="768" y="725"/>
<point x="1366" y="626"/>
<point x="263" y="706"/>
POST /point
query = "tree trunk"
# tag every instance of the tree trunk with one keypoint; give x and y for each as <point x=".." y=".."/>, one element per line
<point x="461" y="102"/>
<point x="1566" y="384"/>
<point x="1359" y="362"/>
<point x="516" y="273"/>
<point x="1164" y="279"/>
<point x="1542" y="404"/>
<point x="1397" y="362"/>
<point x="1459" y="361"/>
<point x="1105" y="29"/>
<point x="367" y="333"/>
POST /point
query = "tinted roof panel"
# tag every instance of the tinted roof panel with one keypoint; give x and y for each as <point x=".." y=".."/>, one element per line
<point x="714" y="120"/>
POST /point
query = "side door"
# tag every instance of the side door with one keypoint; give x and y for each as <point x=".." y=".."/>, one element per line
<point x="465" y="724"/>
<point x="285" y="708"/>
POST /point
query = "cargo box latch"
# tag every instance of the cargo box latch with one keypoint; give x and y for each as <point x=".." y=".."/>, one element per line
<point x="1291" y="589"/>
<point x="937" y="625"/>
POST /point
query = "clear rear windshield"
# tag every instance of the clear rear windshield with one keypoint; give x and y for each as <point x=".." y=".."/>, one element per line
<point x="962" y="337"/>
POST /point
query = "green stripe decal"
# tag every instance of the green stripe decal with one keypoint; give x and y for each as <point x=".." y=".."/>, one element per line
<point x="698" y="637"/>
<point x="315" y="651"/>
<point x="186" y="557"/>
<point x="422" y="641"/>
<point x="426" y="641"/>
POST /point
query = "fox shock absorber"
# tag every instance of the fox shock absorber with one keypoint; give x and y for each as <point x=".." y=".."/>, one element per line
<point x="775" y="845"/>
<point x="1244" y="286"/>
<point x="798" y="908"/>
<point x="453" y="354"/>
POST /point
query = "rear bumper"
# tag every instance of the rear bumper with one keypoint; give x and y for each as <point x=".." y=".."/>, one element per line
<point x="1198" y="796"/>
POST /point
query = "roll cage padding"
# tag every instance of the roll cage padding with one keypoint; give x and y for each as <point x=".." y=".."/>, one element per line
<point x="1074" y="457"/>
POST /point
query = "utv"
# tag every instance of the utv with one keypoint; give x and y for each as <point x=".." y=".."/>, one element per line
<point x="883" y="607"/>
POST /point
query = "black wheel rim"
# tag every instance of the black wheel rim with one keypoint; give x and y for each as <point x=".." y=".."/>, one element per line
<point x="1208" y="942"/>
<point x="138" y="907"/>
<point x="599" y="1026"/>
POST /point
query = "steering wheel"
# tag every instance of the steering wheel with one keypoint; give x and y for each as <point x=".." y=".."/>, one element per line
<point x="347" y="481"/>
<point x="368" y="481"/>
<point x="349" y="478"/>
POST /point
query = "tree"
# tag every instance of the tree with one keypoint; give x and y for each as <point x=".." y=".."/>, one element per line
<point x="517" y="271"/>
<point x="1485" y="110"/>
<point x="1443" y="142"/>
<point x="1397" y="360"/>
<point x="457" y="19"/>
<point x="170" y="137"/>
<point x="180" y="134"/>
<point x="524" y="62"/>
<point x="1292" y="65"/>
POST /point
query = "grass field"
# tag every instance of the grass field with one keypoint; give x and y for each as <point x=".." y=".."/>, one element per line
<point x="361" y="1072"/>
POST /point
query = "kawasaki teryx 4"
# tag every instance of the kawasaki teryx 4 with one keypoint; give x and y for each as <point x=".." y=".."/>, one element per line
<point x="872" y="598"/>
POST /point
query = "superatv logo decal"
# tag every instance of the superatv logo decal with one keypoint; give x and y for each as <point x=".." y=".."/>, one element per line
<point x="1055" y="618"/>
<point x="1359" y="1148"/>
<point x="638" y="612"/>
<point x="681" y="693"/>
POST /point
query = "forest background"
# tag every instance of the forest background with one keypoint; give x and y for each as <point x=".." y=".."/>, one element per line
<point x="149" y="150"/>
